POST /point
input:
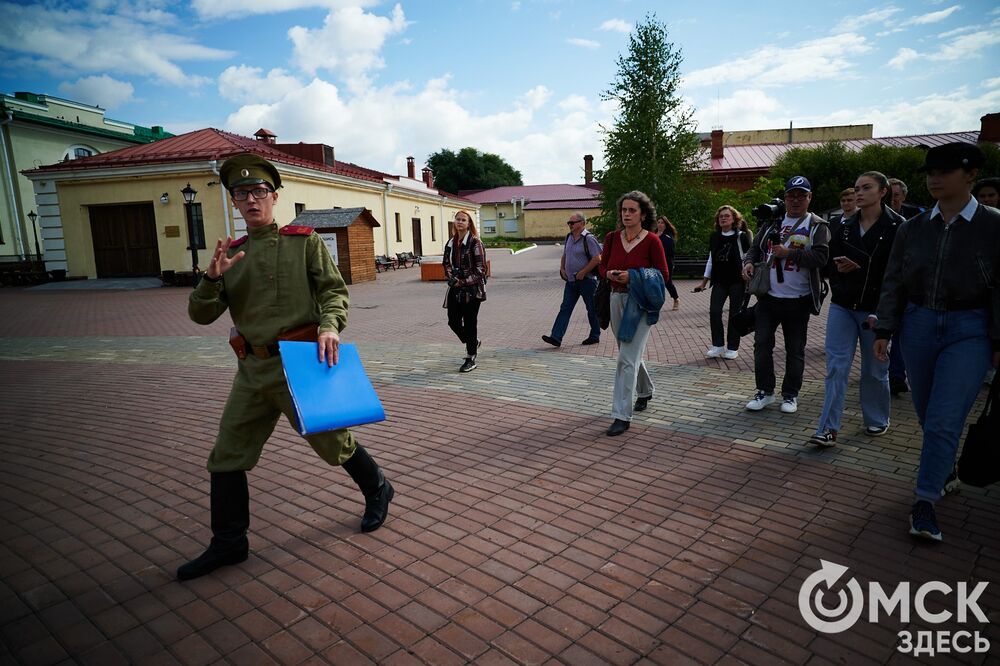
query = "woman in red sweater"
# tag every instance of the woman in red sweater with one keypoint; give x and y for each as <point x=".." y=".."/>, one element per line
<point x="632" y="245"/>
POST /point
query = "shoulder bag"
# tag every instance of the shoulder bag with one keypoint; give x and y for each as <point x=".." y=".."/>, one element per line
<point x="979" y="464"/>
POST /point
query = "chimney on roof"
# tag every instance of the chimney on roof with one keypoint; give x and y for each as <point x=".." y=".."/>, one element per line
<point x="989" y="129"/>
<point x="428" y="177"/>
<point x="588" y="169"/>
<point x="717" y="150"/>
<point x="411" y="168"/>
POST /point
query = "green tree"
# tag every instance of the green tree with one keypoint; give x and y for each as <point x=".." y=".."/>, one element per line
<point x="471" y="169"/>
<point x="652" y="143"/>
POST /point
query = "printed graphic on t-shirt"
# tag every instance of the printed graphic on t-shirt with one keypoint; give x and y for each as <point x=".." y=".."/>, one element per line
<point x="797" y="238"/>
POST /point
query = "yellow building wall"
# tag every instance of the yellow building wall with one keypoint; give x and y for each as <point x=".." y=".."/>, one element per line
<point x="551" y="224"/>
<point x="490" y="215"/>
<point x="75" y="198"/>
<point x="31" y="147"/>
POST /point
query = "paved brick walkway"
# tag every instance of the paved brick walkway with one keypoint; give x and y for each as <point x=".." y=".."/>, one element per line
<point x="519" y="535"/>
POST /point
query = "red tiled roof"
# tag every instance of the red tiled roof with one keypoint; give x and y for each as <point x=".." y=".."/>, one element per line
<point x="764" y="155"/>
<point x="205" y="144"/>
<point x="574" y="195"/>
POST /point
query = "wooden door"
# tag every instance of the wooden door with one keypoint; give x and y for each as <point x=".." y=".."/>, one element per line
<point x="124" y="240"/>
<point x="418" y="244"/>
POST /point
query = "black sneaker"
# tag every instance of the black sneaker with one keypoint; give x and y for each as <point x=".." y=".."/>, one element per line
<point x="898" y="385"/>
<point x="552" y="341"/>
<point x="826" y="439"/>
<point x="469" y="365"/>
<point x="590" y="341"/>
<point x="923" y="522"/>
<point x="640" y="404"/>
<point x="876" y="431"/>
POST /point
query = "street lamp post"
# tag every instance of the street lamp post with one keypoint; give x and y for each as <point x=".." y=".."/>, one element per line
<point x="189" y="194"/>
<point x="38" y="251"/>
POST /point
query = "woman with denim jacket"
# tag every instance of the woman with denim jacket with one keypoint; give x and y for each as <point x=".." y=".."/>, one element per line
<point x="940" y="293"/>
<point x="859" y="252"/>
<point x="634" y="245"/>
<point x="465" y="270"/>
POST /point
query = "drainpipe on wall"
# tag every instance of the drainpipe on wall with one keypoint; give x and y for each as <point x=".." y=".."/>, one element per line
<point x="214" y="166"/>
<point x="385" y="216"/>
<point x="16" y="220"/>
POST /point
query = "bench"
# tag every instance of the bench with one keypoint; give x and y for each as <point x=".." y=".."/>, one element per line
<point x="384" y="263"/>
<point x="689" y="266"/>
<point x="407" y="257"/>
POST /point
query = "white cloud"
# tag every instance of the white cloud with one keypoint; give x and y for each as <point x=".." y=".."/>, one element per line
<point x="536" y="97"/>
<point x="932" y="17"/>
<point x="102" y="91"/>
<point x="967" y="46"/>
<point x="68" y="42"/>
<point x="856" y="23"/>
<point x="515" y="6"/>
<point x="744" y="109"/>
<point x="958" y="31"/>
<point x="806" y="62"/>
<point x="348" y="44"/>
<point x="213" y="9"/>
<point x="617" y="25"/>
<point x="585" y="43"/>
<point x="245" y="84"/>
<point x="902" y="57"/>
<point x="992" y="83"/>
<point x="955" y="111"/>
<point x="379" y="127"/>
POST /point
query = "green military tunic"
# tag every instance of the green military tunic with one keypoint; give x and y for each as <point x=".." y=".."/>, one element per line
<point x="286" y="279"/>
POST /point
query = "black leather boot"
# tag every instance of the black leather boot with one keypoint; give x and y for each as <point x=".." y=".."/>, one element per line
<point x="374" y="486"/>
<point x="230" y="502"/>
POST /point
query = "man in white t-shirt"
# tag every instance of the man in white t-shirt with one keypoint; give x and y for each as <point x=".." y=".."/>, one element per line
<point x="795" y="249"/>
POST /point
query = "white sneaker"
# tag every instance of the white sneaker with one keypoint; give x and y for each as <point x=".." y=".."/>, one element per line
<point x="789" y="405"/>
<point x="714" y="352"/>
<point x="759" y="401"/>
<point x="730" y="354"/>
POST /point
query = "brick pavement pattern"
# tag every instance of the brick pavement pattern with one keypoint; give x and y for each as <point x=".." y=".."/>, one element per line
<point x="520" y="534"/>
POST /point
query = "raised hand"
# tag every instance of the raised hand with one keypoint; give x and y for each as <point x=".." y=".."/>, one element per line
<point x="221" y="261"/>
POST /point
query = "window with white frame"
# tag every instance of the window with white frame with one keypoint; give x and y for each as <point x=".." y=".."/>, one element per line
<point x="489" y="226"/>
<point x="77" y="151"/>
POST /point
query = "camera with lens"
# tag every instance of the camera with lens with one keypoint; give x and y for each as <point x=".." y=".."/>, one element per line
<point x="456" y="275"/>
<point x="770" y="211"/>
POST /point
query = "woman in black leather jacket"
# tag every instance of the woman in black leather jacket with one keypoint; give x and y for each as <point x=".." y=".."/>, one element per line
<point x="859" y="253"/>
<point x="940" y="292"/>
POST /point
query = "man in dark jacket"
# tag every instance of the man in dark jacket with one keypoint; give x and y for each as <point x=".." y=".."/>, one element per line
<point x="795" y="249"/>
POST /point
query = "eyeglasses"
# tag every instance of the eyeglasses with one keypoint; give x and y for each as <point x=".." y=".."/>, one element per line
<point x="257" y="192"/>
<point x="572" y="222"/>
<point x="796" y="195"/>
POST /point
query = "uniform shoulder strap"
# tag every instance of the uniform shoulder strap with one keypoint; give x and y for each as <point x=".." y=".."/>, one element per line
<point x="239" y="241"/>
<point x="295" y="230"/>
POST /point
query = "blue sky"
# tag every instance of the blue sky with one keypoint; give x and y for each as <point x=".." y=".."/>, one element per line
<point x="522" y="78"/>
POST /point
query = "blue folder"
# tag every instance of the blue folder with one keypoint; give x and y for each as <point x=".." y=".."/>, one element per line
<point x="328" y="398"/>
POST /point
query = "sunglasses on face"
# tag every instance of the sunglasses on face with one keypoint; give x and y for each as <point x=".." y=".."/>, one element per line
<point x="257" y="192"/>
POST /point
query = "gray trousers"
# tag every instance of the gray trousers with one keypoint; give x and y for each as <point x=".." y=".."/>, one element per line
<point x="632" y="379"/>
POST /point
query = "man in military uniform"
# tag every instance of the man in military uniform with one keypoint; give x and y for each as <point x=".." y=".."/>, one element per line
<point x="274" y="280"/>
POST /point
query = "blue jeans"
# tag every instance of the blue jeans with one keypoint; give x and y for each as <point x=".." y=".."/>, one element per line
<point x="947" y="355"/>
<point x="572" y="291"/>
<point x="897" y="366"/>
<point x="843" y="331"/>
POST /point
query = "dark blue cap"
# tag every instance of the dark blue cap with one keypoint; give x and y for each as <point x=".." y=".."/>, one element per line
<point x="798" y="183"/>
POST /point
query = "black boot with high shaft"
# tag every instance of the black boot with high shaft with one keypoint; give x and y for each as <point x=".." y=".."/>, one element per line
<point x="230" y="501"/>
<point x="374" y="486"/>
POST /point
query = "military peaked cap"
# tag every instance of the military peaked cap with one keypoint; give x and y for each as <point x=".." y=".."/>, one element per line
<point x="248" y="169"/>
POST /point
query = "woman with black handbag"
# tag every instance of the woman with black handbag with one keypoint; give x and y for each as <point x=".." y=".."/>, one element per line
<point x="940" y="293"/>
<point x="465" y="270"/>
